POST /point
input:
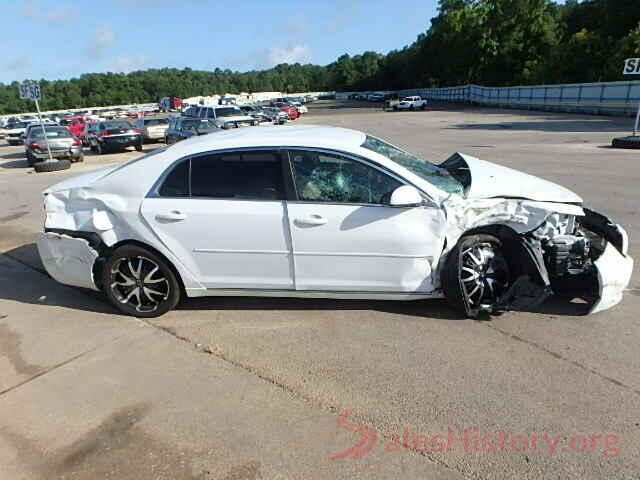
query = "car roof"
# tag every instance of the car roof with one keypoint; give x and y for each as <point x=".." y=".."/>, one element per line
<point x="313" y="136"/>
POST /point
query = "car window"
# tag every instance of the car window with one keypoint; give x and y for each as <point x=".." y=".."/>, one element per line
<point x="176" y="184"/>
<point x="322" y="177"/>
<point x="155" y="121"/>
<point x="241" y="175"/>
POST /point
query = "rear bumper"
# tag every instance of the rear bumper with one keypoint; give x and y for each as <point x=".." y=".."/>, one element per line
<point x="73" y="152"/>
<point x="154" y="135"/>
<point x="114" y="141"/>
<point x="68" y="260"/>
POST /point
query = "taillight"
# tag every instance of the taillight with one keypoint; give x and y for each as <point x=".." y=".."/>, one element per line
<point x="137" y="130"/>
<point x="76" y="142"/>
<point x="104" y="133"/>
<point x="34" y="146"/>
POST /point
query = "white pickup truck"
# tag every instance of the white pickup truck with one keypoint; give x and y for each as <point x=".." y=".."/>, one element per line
<point x="411" y="103"/>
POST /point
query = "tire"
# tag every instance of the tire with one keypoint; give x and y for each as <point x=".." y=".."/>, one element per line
<point x="131" y="263"/>
<point x="138" y="147"/>
<point x="52" y="166"/>
<point x="423" y="107"/>
<point x="31" y="159"/>
<point x="100" y="150"/>
<point x="626" y="142"/>
<point x="462" y="275"/>
<point x="412" y="108"/>
<point x="78" y="159"/>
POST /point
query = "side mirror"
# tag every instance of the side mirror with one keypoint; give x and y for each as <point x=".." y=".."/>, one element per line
<point x="405" y="196"/>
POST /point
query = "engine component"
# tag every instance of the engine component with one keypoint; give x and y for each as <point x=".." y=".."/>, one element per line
<point x="566" y="255"/>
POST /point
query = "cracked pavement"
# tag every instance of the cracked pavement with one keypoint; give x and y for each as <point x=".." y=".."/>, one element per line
<point x="250" y="388"/>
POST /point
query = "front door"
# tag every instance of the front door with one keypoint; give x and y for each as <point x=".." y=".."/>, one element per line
<point x="224" y="216"/>
<point x="345" y="235"/>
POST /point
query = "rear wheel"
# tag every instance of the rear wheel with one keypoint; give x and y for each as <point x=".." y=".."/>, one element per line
<point x="476" y="274"/>
<point x="140" y="283"/>
<point x="138" y="147"/>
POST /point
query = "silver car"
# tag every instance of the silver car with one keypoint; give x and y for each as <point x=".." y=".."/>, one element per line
<point x="61" y="142"/>
<point x="153" y="129"/>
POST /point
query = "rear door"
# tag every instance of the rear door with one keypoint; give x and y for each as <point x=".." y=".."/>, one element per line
<point x="224" y="216"/>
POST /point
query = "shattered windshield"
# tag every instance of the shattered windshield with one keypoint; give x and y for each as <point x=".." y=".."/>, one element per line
<point x="433" y="174"/>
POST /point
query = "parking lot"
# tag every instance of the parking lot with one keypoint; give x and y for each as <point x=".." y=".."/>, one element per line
<point x="252" y="388"/>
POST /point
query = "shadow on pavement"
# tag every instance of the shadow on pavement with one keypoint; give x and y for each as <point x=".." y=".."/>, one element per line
<point x="28" y="258"/>
<point x="548" y="125"/>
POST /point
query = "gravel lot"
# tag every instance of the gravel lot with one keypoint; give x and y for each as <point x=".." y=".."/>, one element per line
<point x="249" y="388"/>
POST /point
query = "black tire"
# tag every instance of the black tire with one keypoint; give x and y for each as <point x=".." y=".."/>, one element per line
<point x="132" y="263"/>
<point x="412" y="108"/>
<point x="52" y="166"/>
<point x="79" y="158"/>
<point x="138" y="147"/>
<point x="423" y="107"/>
<point x="100" y="150"/>
<point x="31" y="159"/>
<point x="626" y="142"/>
<point x="452" y="276"/>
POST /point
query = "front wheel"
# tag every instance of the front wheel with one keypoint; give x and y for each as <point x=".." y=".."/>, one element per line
<point x="476" y="274"/>
<point x="140" y="283"/>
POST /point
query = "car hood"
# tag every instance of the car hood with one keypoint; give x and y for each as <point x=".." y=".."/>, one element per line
<point x="482" y="179"/>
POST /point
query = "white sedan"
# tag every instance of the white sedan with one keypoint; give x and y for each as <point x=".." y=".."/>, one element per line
<point x="313" y="211"/>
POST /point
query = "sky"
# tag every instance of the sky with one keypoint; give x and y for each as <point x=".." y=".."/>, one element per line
<point x="60" y="39"/>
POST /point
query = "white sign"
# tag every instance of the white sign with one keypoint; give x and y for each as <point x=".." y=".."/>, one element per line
<point x="30" y="91"/>
<point x="631" y="66"/>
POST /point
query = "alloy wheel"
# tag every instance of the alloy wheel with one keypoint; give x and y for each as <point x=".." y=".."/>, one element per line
<point x="484" y="275"/>
<point x="139" y="282"/>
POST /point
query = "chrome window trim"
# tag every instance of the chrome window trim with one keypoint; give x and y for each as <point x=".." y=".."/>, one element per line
<point x="153" y="191"/>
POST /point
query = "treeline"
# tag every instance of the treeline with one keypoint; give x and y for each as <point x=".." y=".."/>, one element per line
<point x="488" y="42"/>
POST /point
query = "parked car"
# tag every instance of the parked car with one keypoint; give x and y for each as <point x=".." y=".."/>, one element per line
<point x="170" y="104"/>
<point x="324" y="211"/>
<point x="181" y="128"/>
<point x="113" y="135"/>
<point x="60" y="140"/>
<point x="152" y="129"/>
<point x="255" y="112"/>
<point x="275" y="115"/>
<point x="300" y="107"/>
<point x="76" y="125"/>
<point x="14" y="132"/>
<point x="411" y="103"/>
<point x="289" y="109"/>
<point x="33" y="125"/>
<point x="227" y="116"/>
<point x="89" y="130"/>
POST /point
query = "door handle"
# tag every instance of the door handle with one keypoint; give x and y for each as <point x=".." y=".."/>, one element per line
<point x="172" y="216"/>
<point x="311" y="220"/>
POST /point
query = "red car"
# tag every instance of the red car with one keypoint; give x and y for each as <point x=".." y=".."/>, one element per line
<point x="76" y="125"/>
<point x="289" y="109"/>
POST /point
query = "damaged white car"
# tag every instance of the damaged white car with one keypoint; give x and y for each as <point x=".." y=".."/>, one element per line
<point x="313" y="211"/>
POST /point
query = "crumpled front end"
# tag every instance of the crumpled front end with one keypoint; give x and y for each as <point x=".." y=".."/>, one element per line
<point x="555" y="248"/>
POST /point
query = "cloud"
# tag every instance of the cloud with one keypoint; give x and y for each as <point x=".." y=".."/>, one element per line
<point x="101" y="40"/>
<point x="129" y="64"/>
<point x="269" y="57"/>
<point x="60" y="15"/>
<point x="289" y="54"/>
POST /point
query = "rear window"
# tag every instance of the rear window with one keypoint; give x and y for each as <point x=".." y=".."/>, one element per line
<point x="228" y="112"/>
<point x="247" y="175"/>
<point x="116" y="124"/>
<point x="51" y="133"/>
<point x="156" y="121"/>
